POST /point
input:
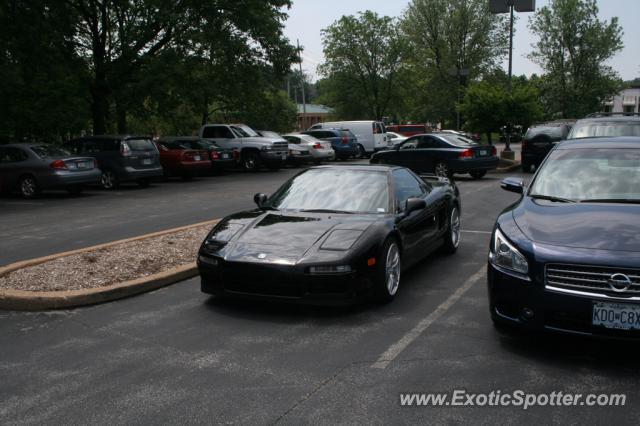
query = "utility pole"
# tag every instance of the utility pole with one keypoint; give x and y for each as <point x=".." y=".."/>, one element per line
<point x="304" y="100"/>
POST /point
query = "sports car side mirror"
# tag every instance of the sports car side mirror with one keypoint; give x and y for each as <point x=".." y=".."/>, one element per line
<point x="513" y="184"/>
<point x="414" y="204"/>
<point x="259" y="199"/>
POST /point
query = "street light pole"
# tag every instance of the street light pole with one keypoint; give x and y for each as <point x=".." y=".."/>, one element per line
<point x="304" y="100"/>
<point x="507" y="147"/>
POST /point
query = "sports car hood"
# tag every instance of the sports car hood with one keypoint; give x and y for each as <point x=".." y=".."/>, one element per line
<point x="588" y="225"/>
<point x="287" y="236"/>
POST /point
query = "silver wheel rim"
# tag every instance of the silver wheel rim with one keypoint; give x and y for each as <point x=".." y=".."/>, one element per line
<point x="250" y="163"/>
<point x="28" y="187"/>
<point x="107" y="180"/>
<point x="393" y="269"/>
<point x="455" y="227"/>
<point x="442" y="170"/>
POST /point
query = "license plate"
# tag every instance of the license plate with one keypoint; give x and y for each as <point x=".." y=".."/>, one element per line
<point x="84" y="164"/>
<point x="225" y="156"/>
<point x="619" y="316"/>
<point x="146" y="161"/>
<point x="196" y="157"/>
<point x="284" y="156"/>
<point x="483" y="152"/>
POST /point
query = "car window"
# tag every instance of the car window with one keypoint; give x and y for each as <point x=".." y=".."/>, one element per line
<point x="247" y="130"/>
<point x="49" y="151"/>
<point x="12" y="155"/>
<point x="356" y="191"/>
<point x="94" y="146"/>
<point x="406" y="185"/>
<point x="427" y="142"/>
<point x="555" y="132"/>
<point x="411" y="143"/>
<point x="292" y="139"/>
<point x="221" y="132"/>
<point x="140" y="144"/>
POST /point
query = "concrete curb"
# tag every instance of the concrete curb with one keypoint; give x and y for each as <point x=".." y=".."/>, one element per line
<point x="41" y="300"/>
<point x="507" y="169"/>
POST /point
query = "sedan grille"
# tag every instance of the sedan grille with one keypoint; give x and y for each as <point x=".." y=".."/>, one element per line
<point x="594" y="279"/>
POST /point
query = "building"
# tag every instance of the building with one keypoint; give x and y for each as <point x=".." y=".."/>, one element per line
<point x="626" y="101"/>
<point x="315" y="114"/>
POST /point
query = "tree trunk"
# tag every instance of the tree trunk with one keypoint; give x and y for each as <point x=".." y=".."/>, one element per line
<point x="99" y="106"/>
<point x="121" y="115"/>
<point x="489" y="138"/>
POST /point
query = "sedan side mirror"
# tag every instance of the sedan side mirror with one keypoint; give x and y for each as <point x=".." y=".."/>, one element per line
<point x="513" y="184"/>
<point x="260" y="199"/>
<point x="413" y="204"/>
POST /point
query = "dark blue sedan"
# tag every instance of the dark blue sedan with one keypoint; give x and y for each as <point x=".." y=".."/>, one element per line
<point x="566" y="257"/>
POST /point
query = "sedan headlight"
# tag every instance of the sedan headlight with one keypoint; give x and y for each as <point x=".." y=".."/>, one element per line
<point x="506" y="256"/>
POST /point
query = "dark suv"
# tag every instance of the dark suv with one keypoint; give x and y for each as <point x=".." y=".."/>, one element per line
<point x="603" y="124"/>
<point x="343" y="142"/>
<point x="121" y="158"/>
<point x="539" y="140"/>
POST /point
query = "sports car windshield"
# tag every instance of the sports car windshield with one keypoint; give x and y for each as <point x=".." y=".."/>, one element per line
<point x="590" y="175"/>
<point x="350" y="191"/>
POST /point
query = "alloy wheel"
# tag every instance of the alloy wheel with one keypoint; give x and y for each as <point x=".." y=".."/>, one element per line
<point x="392" y="272"/>
<point x="442" y="170"/>
<point x="108" y="179"/>
<point x="28" y="187"/>
<point x="455" y="227"/>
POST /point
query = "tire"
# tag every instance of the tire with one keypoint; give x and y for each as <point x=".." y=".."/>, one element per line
<point x="143" y="183"/>
<point x="109" y="180"/>
<point x="478" y="175"/>
<point x="75" y="189"/>
<point x="28" y="187"/>
<point x="387" y="281"/>
<point x="442" y="169"/>
<point x="362" y="153"/>
<point x="251" y="161"/>
<point x="452" y="236"/>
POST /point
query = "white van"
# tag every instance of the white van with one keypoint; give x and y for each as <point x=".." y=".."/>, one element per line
<point x="372" y="135"/>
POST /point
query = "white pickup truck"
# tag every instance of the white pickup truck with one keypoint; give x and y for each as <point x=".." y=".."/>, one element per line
<point x="253" y="149"/>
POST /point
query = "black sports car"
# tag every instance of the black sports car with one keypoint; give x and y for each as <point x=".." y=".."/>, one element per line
<point x="441" y="153"/>
<point x="330" y="234"/>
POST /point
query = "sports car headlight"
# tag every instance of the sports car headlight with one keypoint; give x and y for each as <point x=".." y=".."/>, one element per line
<point x="341" y="239"/>
<point x="506" y="256"/>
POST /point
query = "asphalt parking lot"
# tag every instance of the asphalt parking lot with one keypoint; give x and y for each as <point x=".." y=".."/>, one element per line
<point x="177" y="356"/>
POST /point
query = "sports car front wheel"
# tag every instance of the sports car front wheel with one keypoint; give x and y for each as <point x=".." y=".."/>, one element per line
<point x="388" y="273"/>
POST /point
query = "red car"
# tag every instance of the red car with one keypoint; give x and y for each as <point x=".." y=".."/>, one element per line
<point x="179" y="160"/>
<point x="408" y="129"/>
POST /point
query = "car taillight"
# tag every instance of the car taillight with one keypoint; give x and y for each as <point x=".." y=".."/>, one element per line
<point x="494" y="151"/>
<point x="214" y="155"/>
<point x="58" y="165"/>
<point x="125" y="151"/>
<point x="317" y="146"/>
<point x="344" y="140"/>
<point x="467" y="153"/>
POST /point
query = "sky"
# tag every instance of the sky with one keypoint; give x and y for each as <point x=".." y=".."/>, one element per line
<point x="308" y="17"/>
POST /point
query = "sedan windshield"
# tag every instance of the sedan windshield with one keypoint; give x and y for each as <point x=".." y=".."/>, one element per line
<point x="49" y="151"/>
<point x="352" y="191"/>
<point x="590" y="175"/>
<point x="596" y="129"/>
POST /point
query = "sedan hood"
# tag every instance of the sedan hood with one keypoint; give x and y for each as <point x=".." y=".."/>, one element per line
<point x="588" y="225"/>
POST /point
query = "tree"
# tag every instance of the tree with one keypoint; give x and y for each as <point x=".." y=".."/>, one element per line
<point x="446" y="36"/>
<point x="364" y="52"/>
<point x="573" y="48"/>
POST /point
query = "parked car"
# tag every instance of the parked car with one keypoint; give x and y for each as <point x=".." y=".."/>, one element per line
<point x="441" y="153"/>
<point x="396" y="138"/>
<point x="221" y="159"/>
<point x="606" y="125"/>
<point x="120" y="158"/>
<point x="371" y="135"/>
<point x="566" y="257"/>
<point x="331" y="234"/>
<point x="409" y="129"/>
<point x="319" y="150"/>
<point x="31" y="168"/>
<point x="179" y="159"/>
<point x="253" y="149"/>
<point x="297" y="155"/>
<point x="343" y="142"/>
<point x="539" y="140"/>
<point x="473" y="136"/>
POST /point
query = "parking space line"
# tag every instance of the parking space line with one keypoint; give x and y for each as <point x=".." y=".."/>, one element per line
<point x="395" y="349"/>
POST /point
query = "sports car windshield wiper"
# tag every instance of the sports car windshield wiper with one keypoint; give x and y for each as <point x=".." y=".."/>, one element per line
<point x="325" y="211"/>
<point x="551" y="198"/>
<point x="612" y="200"/>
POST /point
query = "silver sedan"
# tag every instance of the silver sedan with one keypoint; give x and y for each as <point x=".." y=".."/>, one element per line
<point x="320" y="150"/>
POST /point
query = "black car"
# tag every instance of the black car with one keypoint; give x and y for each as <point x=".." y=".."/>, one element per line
<point x="121" y="158"/>
<point x="31" y="168"/>
<point x="539" y="140"/>
<point x="441" y="153"/>
<point x="331" y="234"/>
<point x="566" y="256"/>
<point x="604" y="124"/>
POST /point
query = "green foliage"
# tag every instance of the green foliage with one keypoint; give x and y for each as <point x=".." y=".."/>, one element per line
<point x="573" y="48"/>
<point x="363" y="55"/>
